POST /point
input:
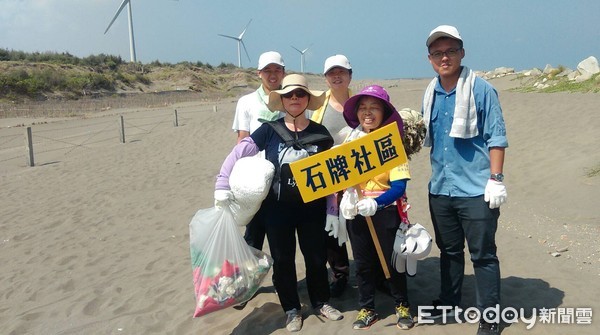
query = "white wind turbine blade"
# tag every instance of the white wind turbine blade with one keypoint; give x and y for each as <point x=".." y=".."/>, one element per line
<point x="116" y="15"/>
<point x="244" y="31"/>
<point x="232" y="37"/>
<point x="246" y="51"/>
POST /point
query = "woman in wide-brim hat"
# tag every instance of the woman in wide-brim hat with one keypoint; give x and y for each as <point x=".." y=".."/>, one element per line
<point x="294" y="105"/>
<point x="287" y="216"/>
<point x="383" y="201"/>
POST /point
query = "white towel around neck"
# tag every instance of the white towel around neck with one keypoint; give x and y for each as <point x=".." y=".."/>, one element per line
<point x="464" y="124"/>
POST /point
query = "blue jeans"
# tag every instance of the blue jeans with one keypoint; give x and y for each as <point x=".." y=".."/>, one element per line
<point x="454" y="220"/>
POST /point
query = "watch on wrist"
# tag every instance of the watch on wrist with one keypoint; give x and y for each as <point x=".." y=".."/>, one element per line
<point x="497" y="177"/>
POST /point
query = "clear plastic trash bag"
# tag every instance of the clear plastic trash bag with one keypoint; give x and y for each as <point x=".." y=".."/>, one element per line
<point x="226" y="270"/>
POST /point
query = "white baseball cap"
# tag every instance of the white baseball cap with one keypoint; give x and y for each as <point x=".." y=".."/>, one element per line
<point x="336" y="60"/>
<point x="270" y="57"/>
<point x="443" y="31"/>
<point x="414" y="244"/>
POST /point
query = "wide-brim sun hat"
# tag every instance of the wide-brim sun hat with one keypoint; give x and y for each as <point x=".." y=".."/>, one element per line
<point x="292" y="82"/>
<point x="392" y="115"/>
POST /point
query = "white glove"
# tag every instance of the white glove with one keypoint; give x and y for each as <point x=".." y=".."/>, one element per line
<point x="348" y="204"/>
<point x="367" y="207"/>
<point x="342" y="232"/>
<point x="223" y="198"/>
<point x="495" y="193"/>
<point x="332" y="225"/>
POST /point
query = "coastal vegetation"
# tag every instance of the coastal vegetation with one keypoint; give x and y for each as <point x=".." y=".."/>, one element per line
<point x="26" y="77"/>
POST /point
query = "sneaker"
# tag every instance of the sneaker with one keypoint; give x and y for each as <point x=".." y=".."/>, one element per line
<point x="405" y="320"/>
<point x="365" y="319"/>
<point x="331" y="313"/>
<point x="338" y="286"/>
<point x="488" y="328"/>
<point x="436" y="313"/>
<point x="294" y="320"/>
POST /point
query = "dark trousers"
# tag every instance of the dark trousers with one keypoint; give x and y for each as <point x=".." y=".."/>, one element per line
<point x="283" y="222"/>
<point x="255" y="229"/>
<point x="368" y="266"/>
<point x="337" y="257"/>
<point x="454" y="220"/>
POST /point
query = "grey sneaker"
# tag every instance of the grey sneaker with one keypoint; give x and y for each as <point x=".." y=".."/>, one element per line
<point x="365" y="319"/>
<point x="294" y="320"/>
<point x="405" y="320"/>
<point x="331" y="313"/>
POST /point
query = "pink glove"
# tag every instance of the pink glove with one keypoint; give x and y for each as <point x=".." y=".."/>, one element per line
<point x="495" y="193"/>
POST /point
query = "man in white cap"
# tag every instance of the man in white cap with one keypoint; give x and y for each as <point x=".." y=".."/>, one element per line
<point x="250" y="113"/>
<point x="338" y="74"/>
<point x="467" y="136"/>
<point x="252" y="109"/>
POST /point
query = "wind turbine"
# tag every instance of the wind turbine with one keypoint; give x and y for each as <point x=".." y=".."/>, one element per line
<point x="302" y="52"/>
<point x="131" y="39"/>
<point x="240" y="41"/>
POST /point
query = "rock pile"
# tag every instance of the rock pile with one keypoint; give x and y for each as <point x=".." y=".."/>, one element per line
<point x="586" y="69"/>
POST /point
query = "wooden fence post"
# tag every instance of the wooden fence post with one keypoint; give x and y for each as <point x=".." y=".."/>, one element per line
<point x="29" y="146"/>
<point x="122" y="130"/>
<point x="175" y="121"/>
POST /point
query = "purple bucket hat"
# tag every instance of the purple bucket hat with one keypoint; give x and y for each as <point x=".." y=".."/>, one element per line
<point x="377" y="92"/>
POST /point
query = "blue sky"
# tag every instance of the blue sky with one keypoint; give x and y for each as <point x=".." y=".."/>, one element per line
<point x="382" y="39"/>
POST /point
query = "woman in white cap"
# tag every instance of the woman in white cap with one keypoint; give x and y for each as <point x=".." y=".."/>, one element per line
<point x="338" y="75"/>
<point x="365" y="112"/>
<point x="285" y="213"/>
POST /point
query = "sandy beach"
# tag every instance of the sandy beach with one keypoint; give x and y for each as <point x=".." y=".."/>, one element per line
<point x="94" y="238"/>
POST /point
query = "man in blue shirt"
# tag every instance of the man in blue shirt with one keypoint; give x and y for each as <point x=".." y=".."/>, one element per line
<point x="467" y="136"/>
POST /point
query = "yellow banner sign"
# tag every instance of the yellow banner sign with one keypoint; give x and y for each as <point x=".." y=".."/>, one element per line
<point x="349" y="164"/>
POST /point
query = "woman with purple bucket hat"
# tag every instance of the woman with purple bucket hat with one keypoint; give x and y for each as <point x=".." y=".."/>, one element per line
<point x="382" y="195"/>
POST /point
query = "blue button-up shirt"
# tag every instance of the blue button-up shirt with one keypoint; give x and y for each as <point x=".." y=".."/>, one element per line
<point x="461" y="167"/>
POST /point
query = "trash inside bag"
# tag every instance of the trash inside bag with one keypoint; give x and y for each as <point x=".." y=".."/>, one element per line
<point x="226" y="270"/>
<point x="250" y="181"/>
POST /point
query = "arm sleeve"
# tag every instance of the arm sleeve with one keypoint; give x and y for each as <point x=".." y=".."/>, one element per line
<point x="332" y="204"/>
<point x="245" y="148"/>
<point x="397" y="189"/>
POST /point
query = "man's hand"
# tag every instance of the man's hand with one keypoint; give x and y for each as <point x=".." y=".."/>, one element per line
<point x="495" y="193"/>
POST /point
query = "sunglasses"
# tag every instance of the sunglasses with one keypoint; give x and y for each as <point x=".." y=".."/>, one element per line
<point x="298" y="93"/>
